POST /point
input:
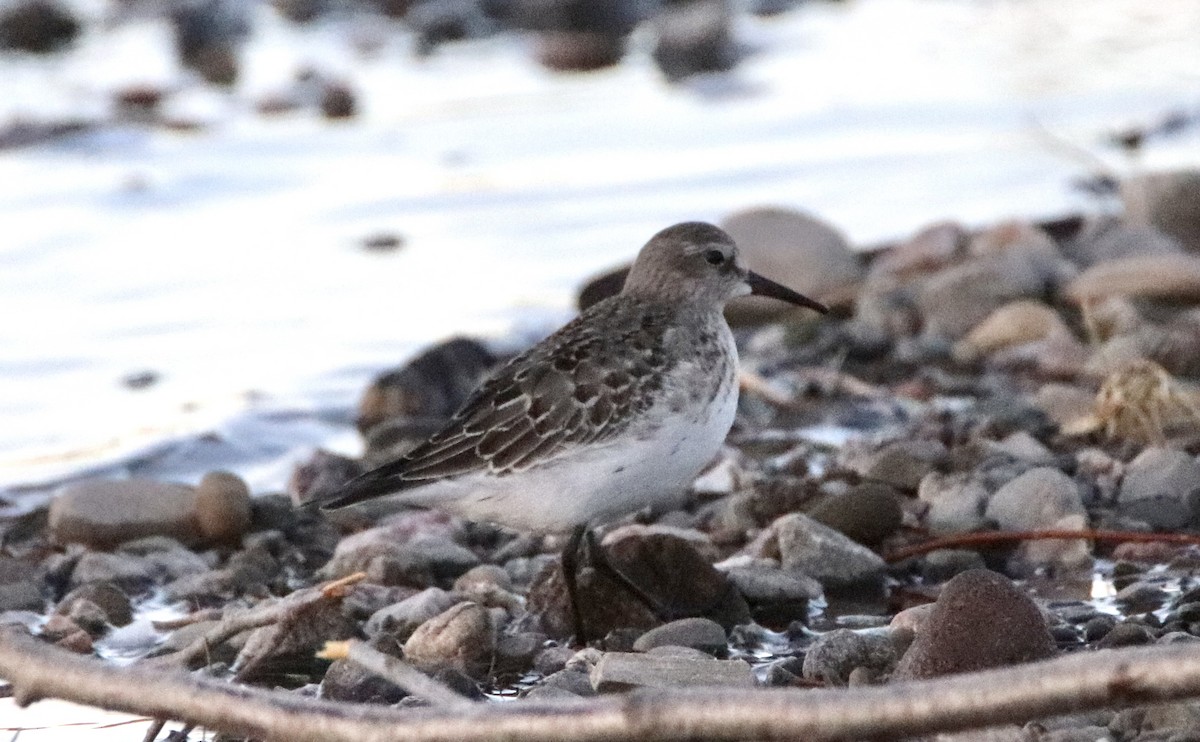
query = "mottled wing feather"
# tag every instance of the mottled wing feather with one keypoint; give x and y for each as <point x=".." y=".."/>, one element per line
<point x="577" y="387"/>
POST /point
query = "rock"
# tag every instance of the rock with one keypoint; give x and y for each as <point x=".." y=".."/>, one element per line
<point x="1108" y="238"/>
<point x="437" y="22"/>
<point x="1065" y="404"/>
<point x="1010" y="262"/>
<point x="65" y="633"/>
<point x="322" y="474"/>
<point x="696" y="633"/>
<point x="130" y="573"/>
<point x="247" y="572"/>
<point x="1141" y="597"/>
<point x="1024" y="447"/>
<point x="867" y="513"/>
<point x="776" y="597"/>
<point x="1163" y="276"/>
<point x="115" y="604"/>
<point x="902" y="464"/>
<point x="1162" y="488"/>
<point x="617" y="672"/>
<point x="338" y="101"/>
<point x="461" y="638"/>
<point x="1126" y="634"/>
<point x="1034" y="500"/>
<point x="692" y="38"/>
<point x="208" y="36"/>
<point x="979" y="621"/>
<point x="833" y="656"/>
<point x="103" y="513"/>
<point x="21" y="585"/>
<point x="666" y="567"/>
<point x="432" y="385"/>
<point x="932" y="248"/>
<point x="956" y="502"/>
<point x="1168" y="201"/>
<point x="1014" y="324"/>
<point x="826" y="555"/>
<point x="796" y="250"/>
<point x="912" y="619"/>
<point x="294" y="640"/>
<point x="222" y="507"/>
<point x="402" y="619"/>
<point x="940" y="565"/>
<point x="482" y="577"/>
<point x="397" y="556"/>
<point x="579" y="51"/>
<point x="346" y="681"/>
<point x="37" y="26"/>
<point x="515" y="653"/>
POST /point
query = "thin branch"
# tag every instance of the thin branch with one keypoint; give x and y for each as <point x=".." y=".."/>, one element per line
<point x="1003" y="538"/>
<point x="395" y="671"/>
<point x="1079" y="682"/>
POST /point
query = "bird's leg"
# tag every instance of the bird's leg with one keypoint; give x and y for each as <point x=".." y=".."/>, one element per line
<point x="600" y="561"/>
<point x="570" y="569"/>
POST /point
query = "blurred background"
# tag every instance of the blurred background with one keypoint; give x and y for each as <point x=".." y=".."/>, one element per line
<point x="220" y="219"/>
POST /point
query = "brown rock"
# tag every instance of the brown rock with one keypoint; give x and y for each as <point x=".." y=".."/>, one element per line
<point x="222" y="506"/>
<point x="1169" y="201"/>
<point x="104" y="513"/>
<point x="796" y="250"/>
<point x="1163" y="276"/>
<point x="981" y="620"/>
<point x="867" y="513"/>
<point x="579" y="51"/>
<point x="462" y="638"/>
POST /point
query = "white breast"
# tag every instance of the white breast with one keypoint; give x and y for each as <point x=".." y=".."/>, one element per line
<point x="653" y="465"/>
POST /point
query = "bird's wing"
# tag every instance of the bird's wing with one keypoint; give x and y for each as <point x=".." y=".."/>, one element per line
<point x="577" y="387"/>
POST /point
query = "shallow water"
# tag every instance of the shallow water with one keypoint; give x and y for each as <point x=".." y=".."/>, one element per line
<point x="228" y="262"/>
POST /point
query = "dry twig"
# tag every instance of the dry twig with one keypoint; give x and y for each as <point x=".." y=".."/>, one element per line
<point x="1075" y="683"/>
<point x="395" y="671"/>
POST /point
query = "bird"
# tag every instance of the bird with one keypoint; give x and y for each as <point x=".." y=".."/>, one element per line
<point x="620" y="409"/>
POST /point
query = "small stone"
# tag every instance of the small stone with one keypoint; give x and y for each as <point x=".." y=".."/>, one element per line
<point x="1166" y="200"/>
<point x="130" y="573"/>
<point x="904" y="464"/>
<point x="383" y="242"/>
<point x="1065" y="404"/>
<point x="1164" y="276"/>
<point x="1162" y="488"/>
<point x="117" y="608"/>
<point x="617" y="672"/>
<point x="67" y="634"/>
<point x="402" y="619"/>
<point x="1141" y="597"/>
<point x="346" y="681"/>
<point x="37" y="26"/>
<point x="941" y="565"/>
<point x="515" y="653"/>
<point x="826" y="555"/>
<point x="338" y="101"/>
<point x="579" y="51"/>
<point x="980" y="620"/>
<point x="552" y="659"/>
<point x="1036" y="499"/>
<point x="397" y="555"/>
<point x="222" y="507"/>
<point x="1110" y="238"/>
<point x="576" y="681"/>
<point x="796" y="249"/>
<point x="776" y="597"/>
<point x="483" y="576"/>
<point x="696" y="633"/>
<point x="462" y="638"/>
<point x="912" y="619"/>
<point x="21" y="596"/>
<point x="1127" y="634"/>
<point x="956" y="502"/>
<point x="694" y="37"/>
<point x="834" y="655"/>
<point x="104" y="513"/>
<point x="867" y="513"/>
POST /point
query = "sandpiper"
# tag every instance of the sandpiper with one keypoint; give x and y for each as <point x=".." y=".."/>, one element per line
<point x="618" y="410"/>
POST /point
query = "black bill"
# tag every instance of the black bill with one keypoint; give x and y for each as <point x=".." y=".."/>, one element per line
<point x="760" y="286"/>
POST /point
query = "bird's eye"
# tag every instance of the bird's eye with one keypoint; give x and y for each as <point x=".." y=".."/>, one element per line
<point x="714" y="257"/>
